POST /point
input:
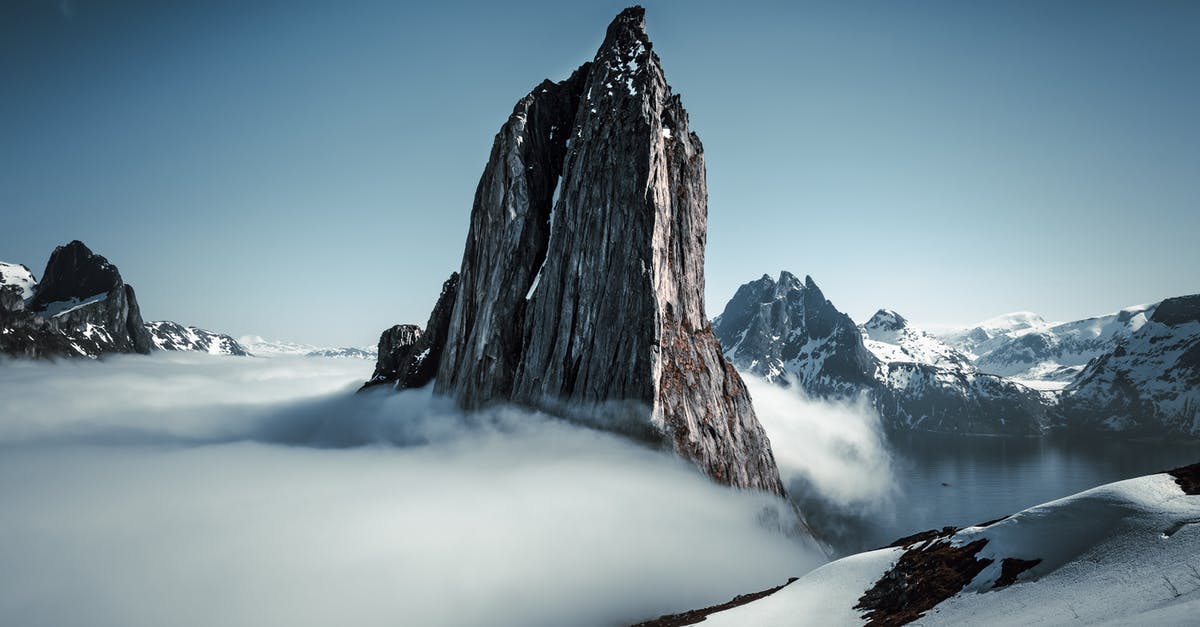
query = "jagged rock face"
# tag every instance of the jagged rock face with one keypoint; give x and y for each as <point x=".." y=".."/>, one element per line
<point x="173" y="336"/>
<point x="81" y="308"/>
<point x="788" y="332"/>
<point x="591" y="307"/>
<point x="1149" y="383"/>
<point x="506" y="246"/>
<point x="404" y="364"/>
<point x="394" y="345"/>
<point x="74" y="271"/>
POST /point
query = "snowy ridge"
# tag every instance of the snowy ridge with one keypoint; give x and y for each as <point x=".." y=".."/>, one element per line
<point x="1149" y="382"/>
<point x="259" y="347"/>
<point x="789" y="333"/>
<point x="168" y="335"/>
<point x="892" y="339"/>
<point x="1025" y="348"/>
<point x="984" y="337"/>
<point x="1122" y="553"/>
<point x="18" y="275"/>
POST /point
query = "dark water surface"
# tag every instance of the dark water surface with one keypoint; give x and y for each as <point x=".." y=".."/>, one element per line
<point x="955" y="480"/>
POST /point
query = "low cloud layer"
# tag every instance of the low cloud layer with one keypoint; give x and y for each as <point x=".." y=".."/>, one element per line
<point x="193" y="490"/>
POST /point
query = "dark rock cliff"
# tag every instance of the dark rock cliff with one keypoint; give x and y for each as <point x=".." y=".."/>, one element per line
<point x="588" y="302"/>
<point x="80" y="308"/>
<point x="409" y="357"/>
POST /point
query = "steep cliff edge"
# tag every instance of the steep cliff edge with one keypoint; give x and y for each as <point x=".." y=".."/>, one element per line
<point x="582" y="281"/>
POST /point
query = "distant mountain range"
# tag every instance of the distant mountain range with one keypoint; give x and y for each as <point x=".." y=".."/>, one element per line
<point x="260" y="347"/>
<point x="1135" y="371"/>
<point x="83" y="308"/>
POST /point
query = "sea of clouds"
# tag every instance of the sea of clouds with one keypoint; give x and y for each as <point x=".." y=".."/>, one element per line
<point x="183" y="489"/>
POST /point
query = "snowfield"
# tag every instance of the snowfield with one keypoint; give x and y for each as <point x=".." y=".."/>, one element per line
<point x="18" y="275"/>
<point x="1124" y="553"/>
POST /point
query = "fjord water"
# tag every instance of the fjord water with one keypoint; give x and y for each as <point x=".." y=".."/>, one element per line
<point x="955" y="480"/>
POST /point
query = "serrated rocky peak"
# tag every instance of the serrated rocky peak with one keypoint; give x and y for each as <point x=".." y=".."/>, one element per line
<point x="788" y="332"/>
<point x="791" y="334"/>
<point x="588" y="303"/>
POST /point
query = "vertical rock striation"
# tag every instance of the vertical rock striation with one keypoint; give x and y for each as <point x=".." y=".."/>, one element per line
<point x="408" y="357"/>
<point x="506" y="246"/>
<point x="587" y="302"/>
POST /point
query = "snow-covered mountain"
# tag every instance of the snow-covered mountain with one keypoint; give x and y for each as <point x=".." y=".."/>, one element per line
<point x="1149" y="382"/>
<point x="1123" y="553"/>
<point x="18" y="276"/>
<point x="788" y="332"/>
<point x="891" y="338"/>
<point x="1026" y="348"/>
<point x="983" y="337"/>
<point x="259" y="347"/>
<point x="173" y="336"/>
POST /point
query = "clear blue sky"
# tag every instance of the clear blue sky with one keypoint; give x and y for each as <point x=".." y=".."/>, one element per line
<point x="305" y="170"/>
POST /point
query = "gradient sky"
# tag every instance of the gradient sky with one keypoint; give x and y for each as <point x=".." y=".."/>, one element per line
<point x="305" y="170"/>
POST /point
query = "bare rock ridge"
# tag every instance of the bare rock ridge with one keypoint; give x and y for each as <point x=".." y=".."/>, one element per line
<point x="582" y="280"/>
<point x="80" y="308"/>
<point x="83" y="308"/>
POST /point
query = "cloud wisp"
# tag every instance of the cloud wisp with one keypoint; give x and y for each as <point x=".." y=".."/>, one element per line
<point x="833" y="456"/>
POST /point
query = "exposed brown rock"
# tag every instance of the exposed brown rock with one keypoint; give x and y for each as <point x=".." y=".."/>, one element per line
<point x="692" y="617"/>
<point x="922" y="578"/>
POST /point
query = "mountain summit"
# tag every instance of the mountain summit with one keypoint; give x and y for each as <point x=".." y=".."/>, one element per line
<point x="581" y="286"/>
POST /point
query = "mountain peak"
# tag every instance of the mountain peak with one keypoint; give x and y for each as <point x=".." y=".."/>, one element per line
<point x="531" y="319"/>
<point x="631" y="20"/>
<point x="886" y="320"/>
<point x="74" y="271"/>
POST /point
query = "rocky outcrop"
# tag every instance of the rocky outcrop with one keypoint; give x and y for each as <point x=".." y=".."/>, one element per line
<point x="408" y="358"/>
<point x="173" y="336"/>
<point x="1149" y="383"/>
<point x="80" y="308"/>
<point x="788" y="332"/>
<point x="395" y="344"/>
<point x="588" y="303"/>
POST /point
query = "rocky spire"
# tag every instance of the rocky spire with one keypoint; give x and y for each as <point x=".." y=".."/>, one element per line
<point x="588" y="303"/>
<point x="506" y="246"/>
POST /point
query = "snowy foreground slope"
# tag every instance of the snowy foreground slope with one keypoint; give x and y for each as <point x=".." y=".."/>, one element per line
<point x="1122" y="553"/>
